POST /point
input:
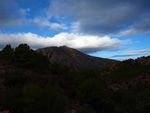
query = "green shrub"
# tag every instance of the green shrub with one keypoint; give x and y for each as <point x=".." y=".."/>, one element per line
<point x="14" y="79"/>
<point x="85" y="109"/>
<point x="48" y="99"/>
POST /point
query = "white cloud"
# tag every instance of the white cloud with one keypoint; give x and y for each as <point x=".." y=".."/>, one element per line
<point x="84" y="43"/>
<point x="134" y="53"/>
<point x="44" y="22"/>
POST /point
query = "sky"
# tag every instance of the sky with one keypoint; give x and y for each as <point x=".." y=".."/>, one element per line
<point x="115" y="29"/>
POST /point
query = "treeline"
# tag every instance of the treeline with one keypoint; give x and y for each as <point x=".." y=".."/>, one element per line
<point x="27" y="87"/>
<point x="25" y="57"/>
<point x="37" y="87"/>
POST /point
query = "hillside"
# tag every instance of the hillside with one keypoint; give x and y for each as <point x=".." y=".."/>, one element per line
<point x="28" y="84"/>
<point x="74" y="59"/>
<point x="127" y="73"/>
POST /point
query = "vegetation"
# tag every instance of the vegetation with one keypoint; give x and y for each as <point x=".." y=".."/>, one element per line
<point x="7" y="52"/>
<point x="47" y="99"/>
<point x="28" y="84"/>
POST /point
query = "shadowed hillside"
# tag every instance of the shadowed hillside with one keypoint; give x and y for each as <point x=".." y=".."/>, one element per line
<point x="29" y="84"/>
<point x="127" y="73"/>
<point x="74" y="59"/>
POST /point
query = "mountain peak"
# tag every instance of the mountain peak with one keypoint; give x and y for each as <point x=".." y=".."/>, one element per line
<point x="63" y="46"/>
<point x="73" y="58"/>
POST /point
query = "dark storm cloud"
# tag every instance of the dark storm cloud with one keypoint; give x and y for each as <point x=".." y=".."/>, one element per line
<point x="5" y="12"/>
<point x="10" y="16"/>
<point x="143" y="25"/>
<point x="104" y="16"/>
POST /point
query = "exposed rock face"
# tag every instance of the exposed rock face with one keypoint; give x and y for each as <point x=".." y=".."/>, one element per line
<point x="73" y="58"/>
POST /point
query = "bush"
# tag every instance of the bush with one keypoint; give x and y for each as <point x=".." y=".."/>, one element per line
<point x="136" y="102"/>
<point x="92" y="93"/>
<point x="85" y="109"/>
<point x="15" y="79"/>
<point x="48" y="99"/>
<point x="10" y="99"/>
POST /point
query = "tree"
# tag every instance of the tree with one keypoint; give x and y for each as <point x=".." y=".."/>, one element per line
<point x="22" y="54"/>
<point x="55" y="68"/>
<point x="7" y="52"/>
<point x="92" y="93"/>
<point x="27" y="58"/>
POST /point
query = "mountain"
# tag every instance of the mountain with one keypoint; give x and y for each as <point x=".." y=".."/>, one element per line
<point x="25" y="75"/>
<point x="73" y="58"/>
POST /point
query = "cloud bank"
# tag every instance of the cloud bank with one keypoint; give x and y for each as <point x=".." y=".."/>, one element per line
<point x="84" y="43"/>
<point x="104" y="17"/>
<point x="134" y="53"/>
<point x="93" y="17"/>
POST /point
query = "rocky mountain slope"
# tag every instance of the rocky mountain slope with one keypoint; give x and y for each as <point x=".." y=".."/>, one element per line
<point x="27" y="79"/>
<point x="73" y="58"/>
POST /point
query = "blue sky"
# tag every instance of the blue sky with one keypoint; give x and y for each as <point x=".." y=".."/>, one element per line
<point x="116" y="29"/>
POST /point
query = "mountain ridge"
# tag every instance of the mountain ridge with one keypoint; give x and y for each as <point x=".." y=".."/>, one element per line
<point x="73" y="58"/>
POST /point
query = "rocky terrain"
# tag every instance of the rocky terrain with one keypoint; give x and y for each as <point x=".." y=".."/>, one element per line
<point x="73" y="58"/>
